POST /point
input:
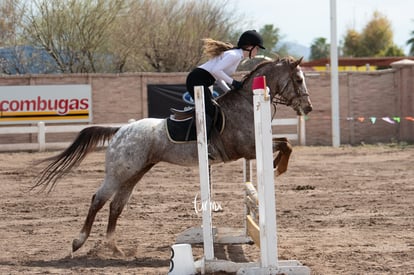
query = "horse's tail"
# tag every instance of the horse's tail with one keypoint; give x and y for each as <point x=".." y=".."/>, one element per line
<point x="86" y="141"/>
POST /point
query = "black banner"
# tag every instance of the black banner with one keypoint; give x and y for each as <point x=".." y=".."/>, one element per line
<point x="163" y="97"/>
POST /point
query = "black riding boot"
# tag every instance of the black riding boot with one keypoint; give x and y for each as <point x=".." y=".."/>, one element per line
<point x="210" y="129"/>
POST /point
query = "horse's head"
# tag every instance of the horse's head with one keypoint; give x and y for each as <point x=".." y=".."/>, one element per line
<point x="287" y="83"/>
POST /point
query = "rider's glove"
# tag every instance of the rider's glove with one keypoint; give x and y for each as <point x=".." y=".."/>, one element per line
<point x="237" y="84"/>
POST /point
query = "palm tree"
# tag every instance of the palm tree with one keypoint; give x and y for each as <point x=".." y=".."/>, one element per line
<point x="411" y="41"/>
<point x="319" y="49"/>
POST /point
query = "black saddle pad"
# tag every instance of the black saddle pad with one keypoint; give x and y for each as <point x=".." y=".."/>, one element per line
<point x="181" y="130"/>
<point x="185" y="130"/>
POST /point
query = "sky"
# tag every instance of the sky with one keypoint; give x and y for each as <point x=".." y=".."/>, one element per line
<point x="301" y="21"/>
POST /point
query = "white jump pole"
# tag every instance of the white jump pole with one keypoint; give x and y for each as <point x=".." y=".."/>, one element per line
<point x="204" y="174"/>
<point x="265" y="181"/>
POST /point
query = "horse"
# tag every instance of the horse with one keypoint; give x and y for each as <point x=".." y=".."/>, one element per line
<point x="133" y="149"/>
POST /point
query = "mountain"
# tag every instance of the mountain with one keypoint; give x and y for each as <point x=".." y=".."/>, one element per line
<point x="297" y="50"/>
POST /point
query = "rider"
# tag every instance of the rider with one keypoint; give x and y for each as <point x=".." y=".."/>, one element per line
<point x="223" y="61"/>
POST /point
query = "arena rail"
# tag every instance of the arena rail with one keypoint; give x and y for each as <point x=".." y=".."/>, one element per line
<point x="41" y="129"/>
<point x="299" y="122"/>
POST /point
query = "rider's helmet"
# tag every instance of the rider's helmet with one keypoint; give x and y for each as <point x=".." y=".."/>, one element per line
<point x="250" y="38"/>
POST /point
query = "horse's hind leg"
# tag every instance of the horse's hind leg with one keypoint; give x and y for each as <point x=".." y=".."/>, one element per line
<point x="116" y="207"/>
<point x="98" y="201"/>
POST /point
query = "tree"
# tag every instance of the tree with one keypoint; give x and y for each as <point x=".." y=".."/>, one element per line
<point x="12" y="56"/>
<point x="411" y="42"/>
<point x="175" y="32"/>
<point x="352" y="42"/>
<point x="10" y="16"/>
<point x="71" y="36"/>
<point x="377" y="35"/>
<point x="392" y="50"/>
<point x="374" y="40"/>
<point x="271" y="37"/>
<point x="319" y="49"/>
<point x="73" y="32"/>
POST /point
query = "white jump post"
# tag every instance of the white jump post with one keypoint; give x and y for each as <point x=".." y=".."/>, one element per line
<point x="267" y="210"/>
<point x="204" y="173"/>
<point x="266" y="191"/>
<point x="265" y="182"/>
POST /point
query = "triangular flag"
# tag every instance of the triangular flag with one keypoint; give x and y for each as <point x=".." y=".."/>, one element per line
<point x="349" y="118"/>
<point x="397" y="118"/>
<point x="409" y="118"/>
<point x="373" y="119"/>
<point x="389" y="120"/>
<point x="361" y="119"/>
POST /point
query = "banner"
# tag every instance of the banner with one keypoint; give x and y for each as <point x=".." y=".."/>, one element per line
<point x="48" y="103"/>
<point x="163" y="97"/>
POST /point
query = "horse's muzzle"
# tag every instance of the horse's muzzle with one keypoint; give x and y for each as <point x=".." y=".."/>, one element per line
<point x="307" y="109"/>
<point x="304" y="111"/>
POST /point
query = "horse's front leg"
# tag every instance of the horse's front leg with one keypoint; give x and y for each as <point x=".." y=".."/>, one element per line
<point x="280" y="163"/>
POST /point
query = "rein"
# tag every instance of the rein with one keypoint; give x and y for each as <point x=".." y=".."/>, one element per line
<point x="278" y="97"/>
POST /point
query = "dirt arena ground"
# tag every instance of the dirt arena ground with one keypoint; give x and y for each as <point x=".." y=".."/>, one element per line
<point x="345" y="210"/>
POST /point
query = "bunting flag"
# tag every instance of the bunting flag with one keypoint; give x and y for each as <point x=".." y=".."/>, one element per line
<point x="389" y="120"/>
<point x="372" y="119"/>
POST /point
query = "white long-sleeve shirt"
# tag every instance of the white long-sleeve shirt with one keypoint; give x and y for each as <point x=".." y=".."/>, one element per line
<point x="224" y="65"/>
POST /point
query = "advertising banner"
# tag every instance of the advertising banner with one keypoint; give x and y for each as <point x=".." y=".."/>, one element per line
<point x="48" y="103"/>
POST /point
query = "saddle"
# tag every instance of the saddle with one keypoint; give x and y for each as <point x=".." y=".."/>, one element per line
<point x="181" y="125"/>
<point x="182" y="114"/>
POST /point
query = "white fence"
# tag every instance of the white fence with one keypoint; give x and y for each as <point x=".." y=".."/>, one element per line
<point x="41" y="129"/>
<point x="300" y="134"/>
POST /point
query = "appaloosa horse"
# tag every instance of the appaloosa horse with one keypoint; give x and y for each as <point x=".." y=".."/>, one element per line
<point x="136" y="147"/>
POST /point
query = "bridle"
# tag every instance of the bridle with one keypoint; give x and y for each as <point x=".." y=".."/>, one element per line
<point x="278" y="98"/>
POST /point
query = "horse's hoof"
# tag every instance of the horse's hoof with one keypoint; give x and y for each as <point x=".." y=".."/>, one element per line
<point x="118" y="253"/>
<point x="115" y="250"/>
<point x="76" y="244"/>
<point x="277" y="172"/>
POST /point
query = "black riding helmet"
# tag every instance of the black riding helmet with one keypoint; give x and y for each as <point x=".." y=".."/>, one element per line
<point x="250" y="38"/>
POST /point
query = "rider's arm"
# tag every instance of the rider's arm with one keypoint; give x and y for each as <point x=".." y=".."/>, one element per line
<point x="223" y="85"/>
<point x="226" y="66"/>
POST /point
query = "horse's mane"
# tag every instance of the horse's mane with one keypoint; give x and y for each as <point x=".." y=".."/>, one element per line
<point x="284" y="60"/>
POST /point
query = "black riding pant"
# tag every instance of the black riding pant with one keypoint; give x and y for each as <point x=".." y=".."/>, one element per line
<point x="200" y="77"/>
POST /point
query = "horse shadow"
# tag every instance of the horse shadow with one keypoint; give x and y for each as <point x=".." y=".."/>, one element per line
<point x="91" y="262"/>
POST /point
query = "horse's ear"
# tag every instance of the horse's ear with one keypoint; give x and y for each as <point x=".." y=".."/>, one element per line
<point x="297" y="63"/>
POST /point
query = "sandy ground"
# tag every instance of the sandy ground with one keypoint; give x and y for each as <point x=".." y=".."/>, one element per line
<point x="345" y="210"/>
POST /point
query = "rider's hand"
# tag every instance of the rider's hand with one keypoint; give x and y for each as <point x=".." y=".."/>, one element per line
<point x="237" y="84"/>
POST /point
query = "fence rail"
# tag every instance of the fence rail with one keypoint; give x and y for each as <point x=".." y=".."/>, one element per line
<point x="41" y="129"/>
<point x="300" y="134"/>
